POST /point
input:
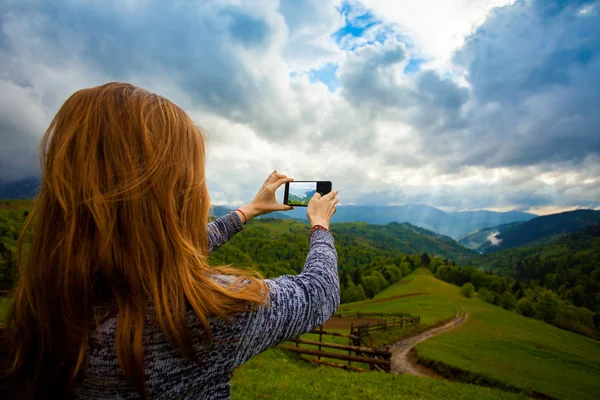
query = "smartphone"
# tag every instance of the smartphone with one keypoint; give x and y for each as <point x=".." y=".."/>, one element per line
<point x="299" y="193"/>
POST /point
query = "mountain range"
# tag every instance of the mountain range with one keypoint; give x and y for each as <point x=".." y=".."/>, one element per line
<point x="536" y="231"/>
<point x="454" y="224"/>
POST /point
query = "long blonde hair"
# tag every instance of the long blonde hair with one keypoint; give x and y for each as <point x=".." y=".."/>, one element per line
<point x="120" y="219"/>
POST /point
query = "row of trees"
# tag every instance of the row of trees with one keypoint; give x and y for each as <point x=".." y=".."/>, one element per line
<point x="527" y="299"/>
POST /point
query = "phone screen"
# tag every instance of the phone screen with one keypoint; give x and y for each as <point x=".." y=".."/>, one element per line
<point x="299" y="193"/>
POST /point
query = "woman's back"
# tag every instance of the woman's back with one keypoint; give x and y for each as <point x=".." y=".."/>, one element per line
<point x="116" y="297"/>
<point x="297" y="305"/>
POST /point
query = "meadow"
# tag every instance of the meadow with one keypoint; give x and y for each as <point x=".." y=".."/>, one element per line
<point x="276" y="374"/>
<point x="496" y="346"/>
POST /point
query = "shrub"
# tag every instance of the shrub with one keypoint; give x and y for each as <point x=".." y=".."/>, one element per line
<point x="547" y="306"/>
<point x="508" y="301"/>
<point x="487" y="296"/>
<point x="467" y="290"/>
<point x="525" y="307"/>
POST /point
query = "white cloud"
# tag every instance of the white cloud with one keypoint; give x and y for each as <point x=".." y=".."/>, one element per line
<point x="435" y="27"/>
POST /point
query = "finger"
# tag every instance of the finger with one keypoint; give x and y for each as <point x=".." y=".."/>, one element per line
<point x="275" y="177"/>
<point x="281" y="181"/>
<point x="331" y="194"/>
<point x="284" y="207"/>
<point x="316" y="196"/>
<point x="270" y="176"/>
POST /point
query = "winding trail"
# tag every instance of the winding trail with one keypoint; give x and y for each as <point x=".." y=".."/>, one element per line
<point x="403" y="363"/>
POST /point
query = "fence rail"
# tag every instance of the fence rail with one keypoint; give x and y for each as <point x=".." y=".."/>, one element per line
<point x="363" y="330"/>
<point x="357" y="341"/>
<point x="359" y="315"/>
<point x="4" y="293"/>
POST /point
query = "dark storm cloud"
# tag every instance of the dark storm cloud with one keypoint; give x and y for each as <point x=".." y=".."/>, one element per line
<point x="534" y="69"/>
<point x="184" y="41"/>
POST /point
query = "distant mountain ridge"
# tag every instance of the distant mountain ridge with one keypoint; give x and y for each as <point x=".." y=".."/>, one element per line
<point x="540" y="230"/>
<point x="455" y="225"/>
<point x="21" y="189"/>
<point x="479" y="240"/>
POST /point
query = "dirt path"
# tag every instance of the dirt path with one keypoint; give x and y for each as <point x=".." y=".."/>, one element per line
<point x="402" y="360"/>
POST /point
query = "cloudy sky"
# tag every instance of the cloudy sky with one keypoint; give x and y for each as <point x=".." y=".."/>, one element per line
<point x="460" y="104"/>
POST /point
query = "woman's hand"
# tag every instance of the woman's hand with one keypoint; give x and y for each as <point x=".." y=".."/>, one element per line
<point x="265" y="202"/>
<point x="321" y="208"/>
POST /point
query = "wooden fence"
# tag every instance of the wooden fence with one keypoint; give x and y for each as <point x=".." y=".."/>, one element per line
<point x="364" y="330"/>
<point x="357" y="342"/>
<point x="377" y="359"/>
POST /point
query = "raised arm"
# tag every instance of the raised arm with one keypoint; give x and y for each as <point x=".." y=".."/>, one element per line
<point x="222" y="229"/>
<point x="296" y="304"/>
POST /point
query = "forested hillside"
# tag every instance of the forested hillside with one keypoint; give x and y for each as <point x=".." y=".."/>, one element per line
<point x="569" y="265"/>
<point x="477" y="241"/>
<point x="284" y="243"/>
<point x="12" y="217"/>
<point x="540" y="230"/>
<point x="370" y="257"/>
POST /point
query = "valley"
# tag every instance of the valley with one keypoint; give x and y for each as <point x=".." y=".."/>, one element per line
<point x="495" y="353"/>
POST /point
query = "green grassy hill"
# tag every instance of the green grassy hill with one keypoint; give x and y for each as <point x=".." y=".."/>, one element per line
<point x="495" y="344"/>
<point x="276" y="374"/>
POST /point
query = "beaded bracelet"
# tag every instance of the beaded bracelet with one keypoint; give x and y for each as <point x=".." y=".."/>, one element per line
<point x="316" y="228"/>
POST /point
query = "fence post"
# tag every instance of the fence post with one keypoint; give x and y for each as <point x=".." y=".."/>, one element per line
<point x="320" y="339"/>
<point x="350" y="341"/>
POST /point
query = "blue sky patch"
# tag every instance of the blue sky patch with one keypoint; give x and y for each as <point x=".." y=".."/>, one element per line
<point x="413" y="65"/>
<point x="355" y="25"/>
<point x="327" y="75"/>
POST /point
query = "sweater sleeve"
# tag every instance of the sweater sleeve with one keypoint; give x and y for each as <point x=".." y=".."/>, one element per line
<point x="296" y="304"/>
<point x="222" y="229"/>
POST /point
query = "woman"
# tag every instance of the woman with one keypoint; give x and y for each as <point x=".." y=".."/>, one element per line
<point x="115" y="298"/>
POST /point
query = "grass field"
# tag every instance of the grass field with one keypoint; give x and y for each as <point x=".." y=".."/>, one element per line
<point x="3" y="304"/>
<point x="16" y="205"/>
<point x="497" y="344"/>
<point x="276" y="374"/>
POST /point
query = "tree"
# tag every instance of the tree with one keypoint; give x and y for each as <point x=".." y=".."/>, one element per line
<point x="353" y="293"/>
<point x="525" y="307"/>
<point x="487" y="296"/>
<point x="372" y="285"/>
<point x="508" y="301"/>
<point x="467" y="290"/>
<point x="547" y="306"/>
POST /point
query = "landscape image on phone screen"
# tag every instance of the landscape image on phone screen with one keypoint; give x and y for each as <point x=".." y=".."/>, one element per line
<point x="301" y="192"/>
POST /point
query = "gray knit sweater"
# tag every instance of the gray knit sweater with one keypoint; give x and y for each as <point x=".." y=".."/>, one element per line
<point x="297" y="305"/>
